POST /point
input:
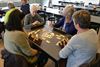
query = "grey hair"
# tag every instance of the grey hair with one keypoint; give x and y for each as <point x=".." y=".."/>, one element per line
<point x="68" y="11"/>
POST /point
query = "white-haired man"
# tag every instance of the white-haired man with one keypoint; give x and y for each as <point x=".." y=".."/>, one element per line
<point x="33" y="19"/>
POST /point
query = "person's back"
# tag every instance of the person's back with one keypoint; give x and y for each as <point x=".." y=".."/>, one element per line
<point x="84" y="47"/>
<point x="25" y="7"/>
<point x="16" y="40"/>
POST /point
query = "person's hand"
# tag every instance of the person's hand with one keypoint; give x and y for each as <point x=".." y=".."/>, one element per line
<point x="62" y="43"/>
<point x="68" y="19"/>
<point x="36" y="23"/>
<point x="50" y="23"/>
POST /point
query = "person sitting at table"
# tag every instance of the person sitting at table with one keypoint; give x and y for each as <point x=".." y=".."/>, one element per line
<point x="82" y="47"/>
<point x="16" y="40"/>
<point x="33" y="19"/>
<point x="66" y="23"/>
<point x="25" y="7"/>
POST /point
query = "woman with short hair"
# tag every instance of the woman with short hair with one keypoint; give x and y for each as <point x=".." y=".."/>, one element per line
<point x="66" y="23"/>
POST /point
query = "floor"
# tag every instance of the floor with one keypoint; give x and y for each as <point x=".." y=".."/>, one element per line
<point x="1" y="47"/>
<point x="50" y="63"/>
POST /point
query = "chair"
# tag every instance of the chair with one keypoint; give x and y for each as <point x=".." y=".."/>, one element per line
<point x="13" y="60"/>
<point x="2" y="28"/>
<point x="94" y="63"/>
<point x="95" y="26"/>
<point x="42" y="14"/>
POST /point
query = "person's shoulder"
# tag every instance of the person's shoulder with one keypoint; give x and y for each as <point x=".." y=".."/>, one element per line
<point x="76" y="37"/>
<point x="37" y="15"/>
<point x="28" y="15"/>
<point x="27" y="4"/>
<point x="16" y="33"/>
<point x="63" y="17"/>
<point x="93" y="31"/>
<point x="21" y="33"/>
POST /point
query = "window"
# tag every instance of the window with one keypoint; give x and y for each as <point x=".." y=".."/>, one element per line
<point x="9" y="1"/>
<point x="85" y="1"/>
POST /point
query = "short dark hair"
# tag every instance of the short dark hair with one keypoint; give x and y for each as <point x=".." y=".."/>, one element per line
<point x="14" y="21"/>
<point x="82" y="17"/>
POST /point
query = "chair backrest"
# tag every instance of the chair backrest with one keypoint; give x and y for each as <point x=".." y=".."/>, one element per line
<point x="95" y="26"/>
<point x="13" y="60"/>
<point x="94" y="63"/>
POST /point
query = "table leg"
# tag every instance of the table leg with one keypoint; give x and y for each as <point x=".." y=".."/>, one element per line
<point x="56" y="64"/>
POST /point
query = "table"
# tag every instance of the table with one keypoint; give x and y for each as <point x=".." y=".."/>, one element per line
<point x="49" y="42"/>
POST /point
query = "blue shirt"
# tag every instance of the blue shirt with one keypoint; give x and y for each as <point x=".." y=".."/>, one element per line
<point x="69" y="27"/>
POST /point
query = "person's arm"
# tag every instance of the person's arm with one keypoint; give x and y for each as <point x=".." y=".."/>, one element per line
<point x="68" y="49"/>
<point x="24" y="45"/>
<point x="27" y="21"/>
<point x="70" y="28"/>
<point x="39" y="18"/>
<point x="60" y="23"/>
<point x="68" y="19"/>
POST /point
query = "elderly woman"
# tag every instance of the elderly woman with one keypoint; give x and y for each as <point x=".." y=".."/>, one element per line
<point x="66" y="23"/>
<point x="33" y="19"/>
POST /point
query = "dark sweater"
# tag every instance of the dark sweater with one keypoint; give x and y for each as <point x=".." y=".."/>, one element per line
<point x="69" y="27"/>
<point x="25" y="8"/>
